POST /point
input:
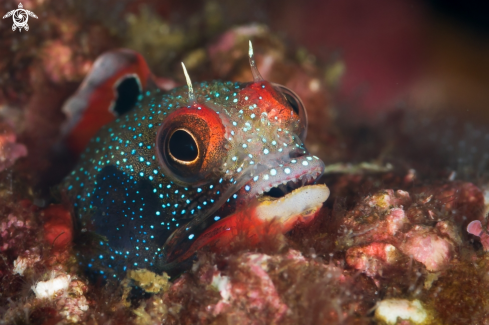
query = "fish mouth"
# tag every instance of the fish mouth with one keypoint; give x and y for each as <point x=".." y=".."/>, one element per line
<point x="285" y="188"/>
<point x="282" y="190"/>
<point x="278" y="181"/>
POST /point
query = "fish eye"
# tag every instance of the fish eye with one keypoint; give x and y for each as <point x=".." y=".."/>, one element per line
<point x="297" y="106"/>
<point x="190" y="144"/>
<point x="183" y="147"/>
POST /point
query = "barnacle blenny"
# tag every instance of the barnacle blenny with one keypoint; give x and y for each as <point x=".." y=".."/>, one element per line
<point x="156" y="179"/>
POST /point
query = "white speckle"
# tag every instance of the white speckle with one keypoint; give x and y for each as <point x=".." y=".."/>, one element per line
<point x="222" y="284"/>
<point x="265" y="177"/>
<point x="191" y="236"/>
<point x="287" y="170"/>
<point x="265" y="151"/>
<point x="21" y="263"/>
<point x="314" y="85"/>
<point x="305" y="163"/>
<point x="273" y="172"/>
<point x="247" y="188"/>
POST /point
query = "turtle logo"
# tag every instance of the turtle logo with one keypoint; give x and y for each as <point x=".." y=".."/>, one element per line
<point x="20" y="16"/>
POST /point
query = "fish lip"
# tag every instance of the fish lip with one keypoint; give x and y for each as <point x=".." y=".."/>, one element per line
<point x="297" y="172"/>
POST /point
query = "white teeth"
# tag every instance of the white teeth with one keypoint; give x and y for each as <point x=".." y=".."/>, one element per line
<point x="273" y="180"/>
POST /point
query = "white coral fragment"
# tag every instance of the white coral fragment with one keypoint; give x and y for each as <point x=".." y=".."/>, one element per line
<point x="47" y="289"/>
<point x="392" y="310"/>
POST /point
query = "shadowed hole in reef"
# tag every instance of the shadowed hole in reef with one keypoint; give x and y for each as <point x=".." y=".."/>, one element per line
<point x="127" y="91"/>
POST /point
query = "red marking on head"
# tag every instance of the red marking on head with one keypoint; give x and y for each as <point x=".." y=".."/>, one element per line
<point x="272" y="102"/>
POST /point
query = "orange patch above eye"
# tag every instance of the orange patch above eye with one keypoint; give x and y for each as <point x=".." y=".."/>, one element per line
<point x="268" y="100"/>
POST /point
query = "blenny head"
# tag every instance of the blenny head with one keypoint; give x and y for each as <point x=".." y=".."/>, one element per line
<point x="244" y="145"/>
<point x="158" y="177"/>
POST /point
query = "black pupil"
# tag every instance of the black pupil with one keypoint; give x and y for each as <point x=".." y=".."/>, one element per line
<point x="293" y="103"/>
<point x="127" y="95"/>
<point x="182" y="146"/>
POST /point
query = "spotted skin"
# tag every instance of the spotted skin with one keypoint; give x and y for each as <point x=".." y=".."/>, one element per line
<point x="148" y="212"/>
